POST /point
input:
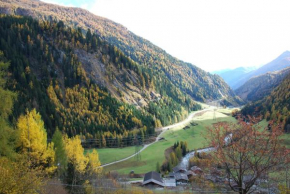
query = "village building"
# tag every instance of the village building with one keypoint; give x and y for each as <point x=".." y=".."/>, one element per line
<point x="181" y="178"/>
<point x="178" y="169"/>
<point x="153" y="179"/>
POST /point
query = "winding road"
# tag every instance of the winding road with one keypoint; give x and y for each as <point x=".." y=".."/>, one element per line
<point x="163" y="129"/>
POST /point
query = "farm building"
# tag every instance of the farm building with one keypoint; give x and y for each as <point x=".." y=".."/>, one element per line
<point x="153" y="179"/>
<point x="178" y="169"/>
<point x="181" y="178"/>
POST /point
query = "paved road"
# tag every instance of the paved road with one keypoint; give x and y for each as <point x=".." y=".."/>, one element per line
<point x="163" y="129"/>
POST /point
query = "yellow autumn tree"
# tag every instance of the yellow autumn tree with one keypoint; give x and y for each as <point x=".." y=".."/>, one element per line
<point x="77" y="161"/>
<point x="17" y="178"/>
<point x="93" y="170"/>
<point x="94" y="164"/>
<point x="32" y="141"/>
<point x="75" y="153"/>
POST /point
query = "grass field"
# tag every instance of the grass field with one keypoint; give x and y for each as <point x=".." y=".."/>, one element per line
<point x="155" y="153"/>
<point x="108" y="155"/>
<point x="225" y="111"/>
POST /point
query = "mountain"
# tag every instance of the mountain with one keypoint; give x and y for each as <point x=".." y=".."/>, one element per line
<point x="258" y="87"/>
<point x="171" y="77"/>
<point x="233" y="76"/>
<point x="47" y="75"/>
<point x="275" y="106"/>
<point x="277" y="64"/>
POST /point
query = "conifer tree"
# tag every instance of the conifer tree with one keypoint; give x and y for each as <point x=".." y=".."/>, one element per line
<point x="60" y="153"/>
<point x="32" y="141"/>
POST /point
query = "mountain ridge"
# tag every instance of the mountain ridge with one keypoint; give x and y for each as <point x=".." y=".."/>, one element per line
<point x="189" y="79"/>
<point x="235" y="78"/>
<point x="232" y="76"/>
<point x="259" y="86"/>
<point x="275" y="106"/>
<point x="279" y="63"/>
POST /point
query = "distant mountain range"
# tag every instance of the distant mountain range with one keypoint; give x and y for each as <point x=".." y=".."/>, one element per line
<point x="233" y="76"/>
<point x="237" y="77"/>
<point x="260" y="86"/>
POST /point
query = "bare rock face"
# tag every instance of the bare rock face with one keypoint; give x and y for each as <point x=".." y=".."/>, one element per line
<point x="122" y="84"/>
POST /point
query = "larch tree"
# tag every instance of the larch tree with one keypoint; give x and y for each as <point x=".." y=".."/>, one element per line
<point x="77" y="162"/>
<point x="94" y="164"/>
<point x="247" y="152"/>
<point x="32" y="141"/>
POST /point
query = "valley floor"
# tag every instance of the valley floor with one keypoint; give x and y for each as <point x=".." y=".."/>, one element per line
<point x="193" y="135"/>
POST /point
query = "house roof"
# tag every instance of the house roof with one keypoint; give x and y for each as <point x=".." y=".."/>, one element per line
<point x="153" y="177"/>
<point x="180" y="176"/>
<point x="178" y="168"/>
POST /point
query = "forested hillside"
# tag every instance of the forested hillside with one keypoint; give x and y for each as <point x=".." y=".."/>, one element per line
<point x="258" y="87"/>
<point x="47" y="75"/>
<point x="275" y="106"/>
<point x="28" y="162"/>
<point x="173" y="77"/>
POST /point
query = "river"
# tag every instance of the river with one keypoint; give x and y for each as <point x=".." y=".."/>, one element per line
<point x="185" y="160"/>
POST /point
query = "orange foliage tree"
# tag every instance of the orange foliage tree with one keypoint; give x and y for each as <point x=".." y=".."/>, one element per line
<point x="247" y="152"/>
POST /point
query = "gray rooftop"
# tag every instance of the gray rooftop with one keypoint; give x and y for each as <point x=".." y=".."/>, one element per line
<point x="178" y="168"/>
<point x="180" y="176"/>
<point x="153" y="177"/>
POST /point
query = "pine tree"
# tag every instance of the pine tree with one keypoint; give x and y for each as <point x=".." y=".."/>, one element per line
<point x="158" y="167"/>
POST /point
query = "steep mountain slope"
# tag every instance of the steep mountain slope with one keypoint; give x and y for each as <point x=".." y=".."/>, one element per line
<point x="170" y="73"/>
<point x="277" y="64"/>
<point x="232" y="76"/>
<point x="258" y="87"/>
<point x="47" y="75"/>
<point x="275" y="106"/>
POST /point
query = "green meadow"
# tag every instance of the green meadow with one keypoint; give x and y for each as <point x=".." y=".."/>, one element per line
<point x="108" y="155"/>
<point x="193" y="135"/>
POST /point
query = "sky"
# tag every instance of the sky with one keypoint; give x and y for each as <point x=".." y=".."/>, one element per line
<point x="211" y="34"/>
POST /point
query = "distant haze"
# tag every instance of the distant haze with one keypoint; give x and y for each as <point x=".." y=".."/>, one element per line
<point x="210" y="34"/>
